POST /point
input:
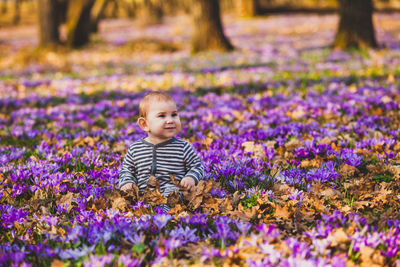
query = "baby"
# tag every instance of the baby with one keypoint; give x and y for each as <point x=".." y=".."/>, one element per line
<point x="160" y="153"/>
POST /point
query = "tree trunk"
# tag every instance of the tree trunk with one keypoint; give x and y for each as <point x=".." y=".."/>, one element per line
<point x="356" y="29"/>
<point x="247" y="8"/>
<point x="114" y="9"/>
<point x="62" y="7"/>
<point x="17" y="12"/>
<point x="48" y="23"/>
<point x="78" y="22"/>
<point x="150" y="13"/>
<point x="129" y="8"/>
<point x="96" y="14"/>
<point x="208" y="32"/>
<point x="4" y="7"/>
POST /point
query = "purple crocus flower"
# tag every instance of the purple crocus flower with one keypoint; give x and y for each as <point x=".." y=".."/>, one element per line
<point x="161" y="220"/>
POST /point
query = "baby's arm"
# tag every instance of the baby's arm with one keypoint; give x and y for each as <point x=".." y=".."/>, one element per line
<point x="127" y="173"/>
<point x="195" y="170"/>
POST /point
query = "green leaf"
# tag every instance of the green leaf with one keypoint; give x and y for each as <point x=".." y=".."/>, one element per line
<point x="138" y="248"/>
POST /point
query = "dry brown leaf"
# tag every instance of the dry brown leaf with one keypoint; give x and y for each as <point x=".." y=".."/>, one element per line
<point x="315" y="163"/>
<point x="345" y="209"/>
<point x="224" y="205"/>
<point x="258" y="150"/>
<point x="69" y="199"/>
<point x="174" y="199"/>
<point x="120" y="147"/>
<point x="361" y="204"/>
<point x="178" y="210"/>
<point x="244" y="214"/>
<point x="45" y="210"/>
<point x="100" y="204"/>
<point x="282" y="212"/>
<point x="193" y="250"/>
<point x="154" y="197"/>
<point x="57" y="263"/>
<point x="174" y="181"/>
<point x="119" y="203"/>
<point x="390" y="79"/>
<point x="152" y="181"/>
<point x="337" y="237"/>
<point x="348" y="170"/>
<point x="197" y="194"/>
<point x="40" y="194"/>
<point x="329" y="192"/>
<point x="369" y="257"/>
<point x="211" y="205"/>
<point x="280" y="188"/>
<point x="132" y="193"/>
<point x="293" y="144"/>
<point x="237" y="196"/>
<point x="319" y="205"/>
<point x="90" y="141"/>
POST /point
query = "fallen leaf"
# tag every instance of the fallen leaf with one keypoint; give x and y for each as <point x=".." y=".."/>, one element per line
<point x="348" y="170"/>
<point x="119" y="203"/>
<point x="282" y="212"/>
<point x="68" y="199"/>
<point x="244" y="214"/>
<point x="120" y="147"/>
<point x="173" y="199"/>
<point x="337" y="237"/>
<point x="195" y="196"/>
<point x="366" y="255"/>
<point x="251" y="147"/>
<point x="178" y="210"/>
<point x="57" y="263"/>
<point x="237" y="196"/>
<point x="174" y="181"/>
<point x="224" y="205"/>
<point x="153" y="197"/>
<point x="293" y="144"/>
<point x="154" y="182"/>
<point x="329" y="192"/>
<point x="280" y="188"/>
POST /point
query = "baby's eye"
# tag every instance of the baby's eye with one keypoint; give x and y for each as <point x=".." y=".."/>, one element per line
<point x="174" y="114"/>
<point x="161" y="116"/>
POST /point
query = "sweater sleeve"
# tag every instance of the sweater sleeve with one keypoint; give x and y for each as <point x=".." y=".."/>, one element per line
<point x="127" y="172"/>
<point x="192" y="162"/>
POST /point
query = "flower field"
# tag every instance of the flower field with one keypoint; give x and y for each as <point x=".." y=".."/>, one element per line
<point x="300" y="144"/>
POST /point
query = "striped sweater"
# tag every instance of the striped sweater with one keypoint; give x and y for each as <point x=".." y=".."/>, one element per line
<point x="174" y="156"/>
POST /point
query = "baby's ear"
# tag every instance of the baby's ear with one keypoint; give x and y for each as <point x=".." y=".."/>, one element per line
<point x="143" y="124"/>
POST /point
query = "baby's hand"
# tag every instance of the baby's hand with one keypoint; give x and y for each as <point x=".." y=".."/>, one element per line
<point x="188" y="183"/>
<point x="126" y="187"/>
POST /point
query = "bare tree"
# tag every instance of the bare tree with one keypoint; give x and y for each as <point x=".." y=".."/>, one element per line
<point x="17" y="12"/>
<point x="78" y="22"/>
<point x="208" y="31"/>
<point x="96" y="13"/>
<point x="247" y="8"/>
<point x="48" y="23"/>
<point x="356" y="29"/>
<point x="150" y="12"/>
<point x="4" y="7"/>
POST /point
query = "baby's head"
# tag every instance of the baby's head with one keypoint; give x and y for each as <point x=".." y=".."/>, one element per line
<point x="158" y="116"/>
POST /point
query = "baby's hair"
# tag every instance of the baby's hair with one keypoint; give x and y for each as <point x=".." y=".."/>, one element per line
<point x="152" y="96"/>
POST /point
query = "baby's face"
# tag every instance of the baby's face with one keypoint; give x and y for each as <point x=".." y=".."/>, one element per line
<point x="162" y="121"/>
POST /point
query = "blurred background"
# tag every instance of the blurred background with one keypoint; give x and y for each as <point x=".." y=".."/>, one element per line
<point x="71" y="23"/>
<point x="53" y="45"/>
